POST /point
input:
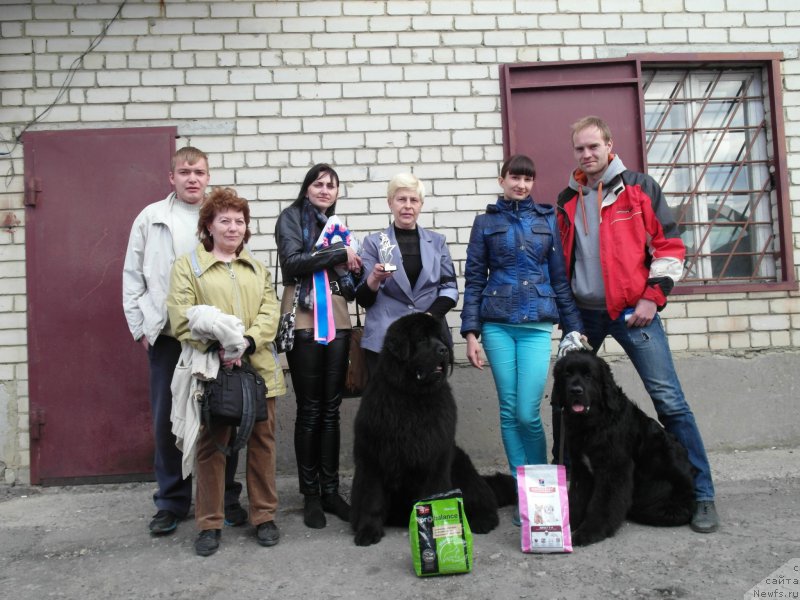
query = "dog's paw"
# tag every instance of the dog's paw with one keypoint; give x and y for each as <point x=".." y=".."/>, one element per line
<point x="484" y="523"/>
<point x="366" y="536"/>
<point x="582" y="537"/>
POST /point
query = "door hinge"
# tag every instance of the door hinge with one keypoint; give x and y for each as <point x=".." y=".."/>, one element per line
<point x="37" y="424"/>
<point x="33" y="187"/>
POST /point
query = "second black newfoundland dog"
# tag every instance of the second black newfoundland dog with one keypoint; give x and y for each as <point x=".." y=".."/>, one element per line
<point x="623" y="463"/>
<point x="405" y="428"/>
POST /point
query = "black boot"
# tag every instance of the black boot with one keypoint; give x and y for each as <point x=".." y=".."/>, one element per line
<point x="332" y="502"/>
<point x="306" y="450"/>
<point x="336" y="505"/>
<point x="313" y="516"/>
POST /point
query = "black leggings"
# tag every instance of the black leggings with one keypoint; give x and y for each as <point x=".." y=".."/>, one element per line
<point x="318" y="373"/>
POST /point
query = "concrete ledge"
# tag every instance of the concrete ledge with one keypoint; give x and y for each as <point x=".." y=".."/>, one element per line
<point x="739" y="402"/>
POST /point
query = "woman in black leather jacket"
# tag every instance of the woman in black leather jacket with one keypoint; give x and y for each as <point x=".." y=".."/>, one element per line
<point x="318" y="368"/>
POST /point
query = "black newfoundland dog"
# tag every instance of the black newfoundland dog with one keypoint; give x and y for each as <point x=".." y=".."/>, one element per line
<point x="623" y="463"/>
<point x="405" y="428"/>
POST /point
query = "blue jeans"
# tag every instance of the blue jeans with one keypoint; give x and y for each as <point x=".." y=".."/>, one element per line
<point x="648" y="350"/>
<point x="519" y="357"/>
<point x="174" y="493"/>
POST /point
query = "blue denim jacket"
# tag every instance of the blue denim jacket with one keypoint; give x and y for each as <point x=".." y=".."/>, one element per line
<point x="515" y="269"/>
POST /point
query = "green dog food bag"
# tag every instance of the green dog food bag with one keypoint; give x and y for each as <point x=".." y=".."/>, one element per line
<point x="441" y="540"/>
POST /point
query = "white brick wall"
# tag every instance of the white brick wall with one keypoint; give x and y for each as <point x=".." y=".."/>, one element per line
<point x="373" y="87"/>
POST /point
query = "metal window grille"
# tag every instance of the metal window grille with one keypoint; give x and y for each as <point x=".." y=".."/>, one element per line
<point x="707" y="134"/>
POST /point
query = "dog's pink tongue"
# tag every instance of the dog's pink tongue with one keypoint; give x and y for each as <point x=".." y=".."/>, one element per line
<point x="578" y="408"/>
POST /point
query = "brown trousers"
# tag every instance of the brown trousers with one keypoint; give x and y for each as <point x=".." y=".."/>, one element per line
<point x="262" y="492"/>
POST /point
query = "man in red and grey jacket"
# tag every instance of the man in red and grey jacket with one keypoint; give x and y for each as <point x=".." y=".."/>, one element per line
<point x="623" y="255"/>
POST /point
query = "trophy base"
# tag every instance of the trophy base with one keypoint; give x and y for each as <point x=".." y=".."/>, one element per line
<point x="389" y="268"/>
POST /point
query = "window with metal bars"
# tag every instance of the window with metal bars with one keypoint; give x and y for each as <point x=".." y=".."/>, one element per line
<point x="706" y="142"/>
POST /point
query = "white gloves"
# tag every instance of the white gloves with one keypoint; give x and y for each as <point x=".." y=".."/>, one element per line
<point x="572" y="341"/>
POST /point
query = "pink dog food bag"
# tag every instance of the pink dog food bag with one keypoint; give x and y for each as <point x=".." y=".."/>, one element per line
<point x="543" y="508"/>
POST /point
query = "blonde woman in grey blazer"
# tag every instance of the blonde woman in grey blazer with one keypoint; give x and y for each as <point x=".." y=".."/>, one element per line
<point x="424" y="280"/>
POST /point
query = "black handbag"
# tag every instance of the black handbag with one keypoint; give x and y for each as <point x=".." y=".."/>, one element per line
<point x="236" y="397"/>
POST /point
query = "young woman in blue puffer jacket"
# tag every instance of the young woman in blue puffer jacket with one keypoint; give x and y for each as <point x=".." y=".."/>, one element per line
<point x="516" y="289"/>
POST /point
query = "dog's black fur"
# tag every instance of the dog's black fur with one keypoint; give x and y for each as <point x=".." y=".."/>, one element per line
<point x="623" y="463"/>
<point x="405" y="430"/>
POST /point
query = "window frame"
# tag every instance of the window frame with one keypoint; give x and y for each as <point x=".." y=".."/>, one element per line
<point x="547" y="76"/>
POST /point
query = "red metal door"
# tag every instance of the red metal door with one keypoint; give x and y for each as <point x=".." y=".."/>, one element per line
<point x="541" y="101"/>
<point x="88" y="381"/>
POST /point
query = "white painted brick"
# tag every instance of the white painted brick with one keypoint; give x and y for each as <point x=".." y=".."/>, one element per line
<point x="402" y="90"/>
<point x="401" y="55"/>
<point x="162" y="78"/>
<point x="392" y="106"/>
<point x="467" y="72"/>
<point x="277" y="91"/>
<point x="750" y="35"/>
<point x="349" y="24"/>
<point x="339" y="74"/>
<point x="537" y="6"/>
<point x="610" y="6"/>
<point x="769" y="322"/>
<point x="492" y="7"/>
<point x="245" y="41"/>
<point x="584" y="37"/>
<point x="194" y="93"/>
<point x="102" y="112"/>
<point x="710" y="36"/>
<point x="118" y="79"/>
<point x="345" y="107"/>
<point x="432" y="23"/>
<point x="367" y="123"/>
<point x="453" y="121"/>
<point x="462" y="38"/>
<point x="667" y="36"/>
<point x="410" y="122"/>
<point x="786" y="35"/>
<point x="293" y="75"/>
<point x="46" y="28"/>
<point x="745" y="5"/>
<point x="333" y="40"/>
<point x="786" y="5"/>
<point x="578" y="6"/>
<point x="724" y="20"/>
<point x="145" y="112"/>
<point x="728" y="324"/>
<point x="364" y="7"/>
<point x="289" y="41"/>
<point x="375" y="40"/>
<point x="518" y="21"/>
<point x="451" y="88"/>
<point x="562" y="22"/>
<point x="13" y="354"/>
<point x="390" y="23"/>
<point x="231" y="10"/>
<point x="474" y="22"/>
<point x="389" y="138"/>
<point x="99" y="96"/>
<point x="625" y="36"/>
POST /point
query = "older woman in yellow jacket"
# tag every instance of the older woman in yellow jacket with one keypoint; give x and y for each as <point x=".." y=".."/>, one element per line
<point x="227" y="276"/>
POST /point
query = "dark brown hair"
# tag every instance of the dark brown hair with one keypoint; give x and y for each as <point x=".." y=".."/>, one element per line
<point x="518" y="164"/>
<point x="220" y="200"/>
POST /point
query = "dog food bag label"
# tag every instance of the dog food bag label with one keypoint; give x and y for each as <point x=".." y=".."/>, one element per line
<point x="440" y="537"/>
<point x="543" y="508"/>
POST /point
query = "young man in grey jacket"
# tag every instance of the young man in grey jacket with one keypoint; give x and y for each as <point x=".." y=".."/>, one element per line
<point x="163" y="231"/>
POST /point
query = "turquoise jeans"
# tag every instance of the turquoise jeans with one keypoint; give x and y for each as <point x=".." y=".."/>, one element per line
<point x="519" y="356"/>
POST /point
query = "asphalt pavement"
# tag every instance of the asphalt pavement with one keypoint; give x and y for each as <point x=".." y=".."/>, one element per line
<point x="87" y="542"/>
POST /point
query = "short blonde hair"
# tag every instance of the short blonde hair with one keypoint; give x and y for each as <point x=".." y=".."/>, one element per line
<point x="190" y="155"/>
<point x="405" y="181"/>
<point x="592" y="121"/>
